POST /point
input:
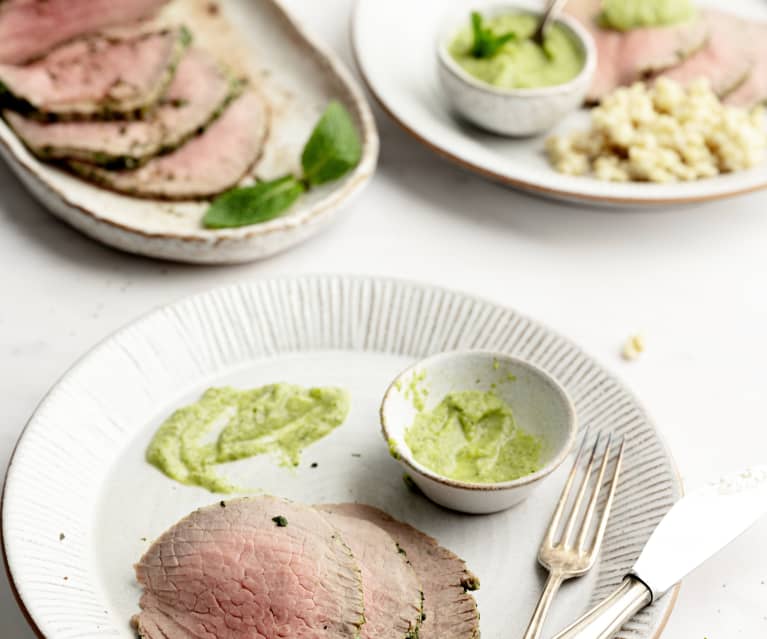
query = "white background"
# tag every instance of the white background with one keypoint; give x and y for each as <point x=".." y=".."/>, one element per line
<point x="693" y="280"/>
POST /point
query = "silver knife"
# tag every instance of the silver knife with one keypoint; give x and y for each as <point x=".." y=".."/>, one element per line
<point x="697" y="527"/>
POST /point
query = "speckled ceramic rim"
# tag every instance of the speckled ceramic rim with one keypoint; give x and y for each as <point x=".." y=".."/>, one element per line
<point x="576" y="30"/>
<point x="543" y="377"/>
<point x="523" y="185"/>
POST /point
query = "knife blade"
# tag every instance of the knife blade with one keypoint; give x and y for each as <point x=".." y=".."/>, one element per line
<point x="697" y="527"/>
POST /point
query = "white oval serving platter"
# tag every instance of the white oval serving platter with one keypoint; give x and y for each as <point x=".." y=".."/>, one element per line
<point x="81" y="505"/>
<point x="297" y="75"/>
<point x="403" y="79"/>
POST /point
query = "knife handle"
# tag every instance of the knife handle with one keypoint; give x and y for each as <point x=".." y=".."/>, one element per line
<point x="604" y="620"/>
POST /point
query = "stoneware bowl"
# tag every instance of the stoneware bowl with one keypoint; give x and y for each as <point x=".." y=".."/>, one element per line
<point x="513" y="112"/>
<point x="541" y="406"/>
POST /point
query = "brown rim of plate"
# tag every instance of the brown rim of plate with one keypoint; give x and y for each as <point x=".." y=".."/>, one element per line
<point x="362" y="173"/>
<point x="14" y="590"/>
<point x="522" y="185"/>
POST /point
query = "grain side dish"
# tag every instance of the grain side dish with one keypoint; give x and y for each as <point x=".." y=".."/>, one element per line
<point x="662" y="133"/>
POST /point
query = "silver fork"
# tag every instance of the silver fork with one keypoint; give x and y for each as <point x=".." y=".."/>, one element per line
<point x="562" y="556"/>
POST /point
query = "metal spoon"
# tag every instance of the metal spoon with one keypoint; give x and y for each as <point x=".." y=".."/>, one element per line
<point x="549" y="13"/>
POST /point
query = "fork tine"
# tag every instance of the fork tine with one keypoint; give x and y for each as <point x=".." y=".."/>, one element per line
<point x="608" y="504"/>
<point x="579" y="497"/>
<point x="554" y="523"/>
<point x="586" y="524"/>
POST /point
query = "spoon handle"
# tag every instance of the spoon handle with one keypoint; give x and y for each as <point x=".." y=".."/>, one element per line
<point x="549" y="13"/>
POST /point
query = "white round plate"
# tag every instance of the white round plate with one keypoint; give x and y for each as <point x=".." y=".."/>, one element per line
<point x="404" y="81"/>
<point x="297" y="75"/>
<point x="81" y="504"/>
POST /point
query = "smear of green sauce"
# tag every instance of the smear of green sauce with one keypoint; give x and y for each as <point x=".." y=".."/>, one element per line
<point x="472" y="436"/>
<point x="521" y="63"/>
<point x="624" y="15"/>
<point x="416" y="390"/>
<point x="278" y="419"/>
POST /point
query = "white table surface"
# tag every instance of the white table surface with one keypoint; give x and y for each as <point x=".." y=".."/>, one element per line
<point x="694" y="281"/>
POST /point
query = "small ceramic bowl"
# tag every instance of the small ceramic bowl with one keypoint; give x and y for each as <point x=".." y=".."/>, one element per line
<point x="541" y="407"/>
<point x="513" y="112"/>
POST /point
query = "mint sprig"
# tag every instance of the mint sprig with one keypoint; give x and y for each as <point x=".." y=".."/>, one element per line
<point x="486" y="43"/>
<point x="333" y="149"/>
<point x="253" y="204"/>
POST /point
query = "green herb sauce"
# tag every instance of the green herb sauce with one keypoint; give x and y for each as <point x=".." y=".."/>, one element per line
<point x="520" y="63"/>
<point x="416" y="390"/>
<point x="624" y="15"/>
<point x="472" y="436"/>
<point x="278" y="419"/>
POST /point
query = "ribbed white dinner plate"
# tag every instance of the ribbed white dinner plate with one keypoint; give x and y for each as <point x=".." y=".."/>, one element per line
<point x="404" y="81"/>
<point x="297" y="75"/>
<point x="81" y="504"/>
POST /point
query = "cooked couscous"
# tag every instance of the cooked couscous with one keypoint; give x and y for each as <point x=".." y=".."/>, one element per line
<point x="662" y="133"/>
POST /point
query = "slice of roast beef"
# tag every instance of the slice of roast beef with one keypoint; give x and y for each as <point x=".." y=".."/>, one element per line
<point x="726" y="60"/>
<point x="392" y="592"/>
<point x="31" y="28"/>
<point x="251" y="568"/>
<point x="206" y="165"/>
<point x="198" y="93"/>
<point x="450" y="612"/>
<point x="754" y="90"/>
<point x="98" y="76"/>
<point x="623" y="57"/>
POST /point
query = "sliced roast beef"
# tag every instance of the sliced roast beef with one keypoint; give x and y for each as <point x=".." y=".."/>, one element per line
<point x="97" y="76"/>
<point x="392" y="592"/>
<point x="726" y="60"/>
<point x="623" y="57"/>
<point x="248" y="569"/>
<point x="31" y="28"/>
<point x="753" y="91"/>
<point x="450" y="612"/>
<point x="199" y="91"/>
<point x="208" y="164"/>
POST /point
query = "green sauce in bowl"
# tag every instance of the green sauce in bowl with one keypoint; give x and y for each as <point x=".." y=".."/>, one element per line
<point x="520" y="63"/>
<point x="472" y="436"/>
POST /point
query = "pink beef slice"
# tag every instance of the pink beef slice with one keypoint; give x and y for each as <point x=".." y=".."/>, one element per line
<point x="228" y="571"/>
<point x="199" y="91"/>
<point x="392" y="592"/>
<point x="31" y="28"/>
<point x="208" y="164"/>
<point x="623" y="57"/>
<point x="450" y="612"/>
<point x="726" y="60"/>
<point x="98" y="75"/>
<point x="754" y="90"/>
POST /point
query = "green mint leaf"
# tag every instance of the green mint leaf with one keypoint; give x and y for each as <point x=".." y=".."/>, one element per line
<point x="253" y="204"/>
<point x="479" y="34"/>
<point x="486" y="44"/>
<point x="333" y="149"/>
